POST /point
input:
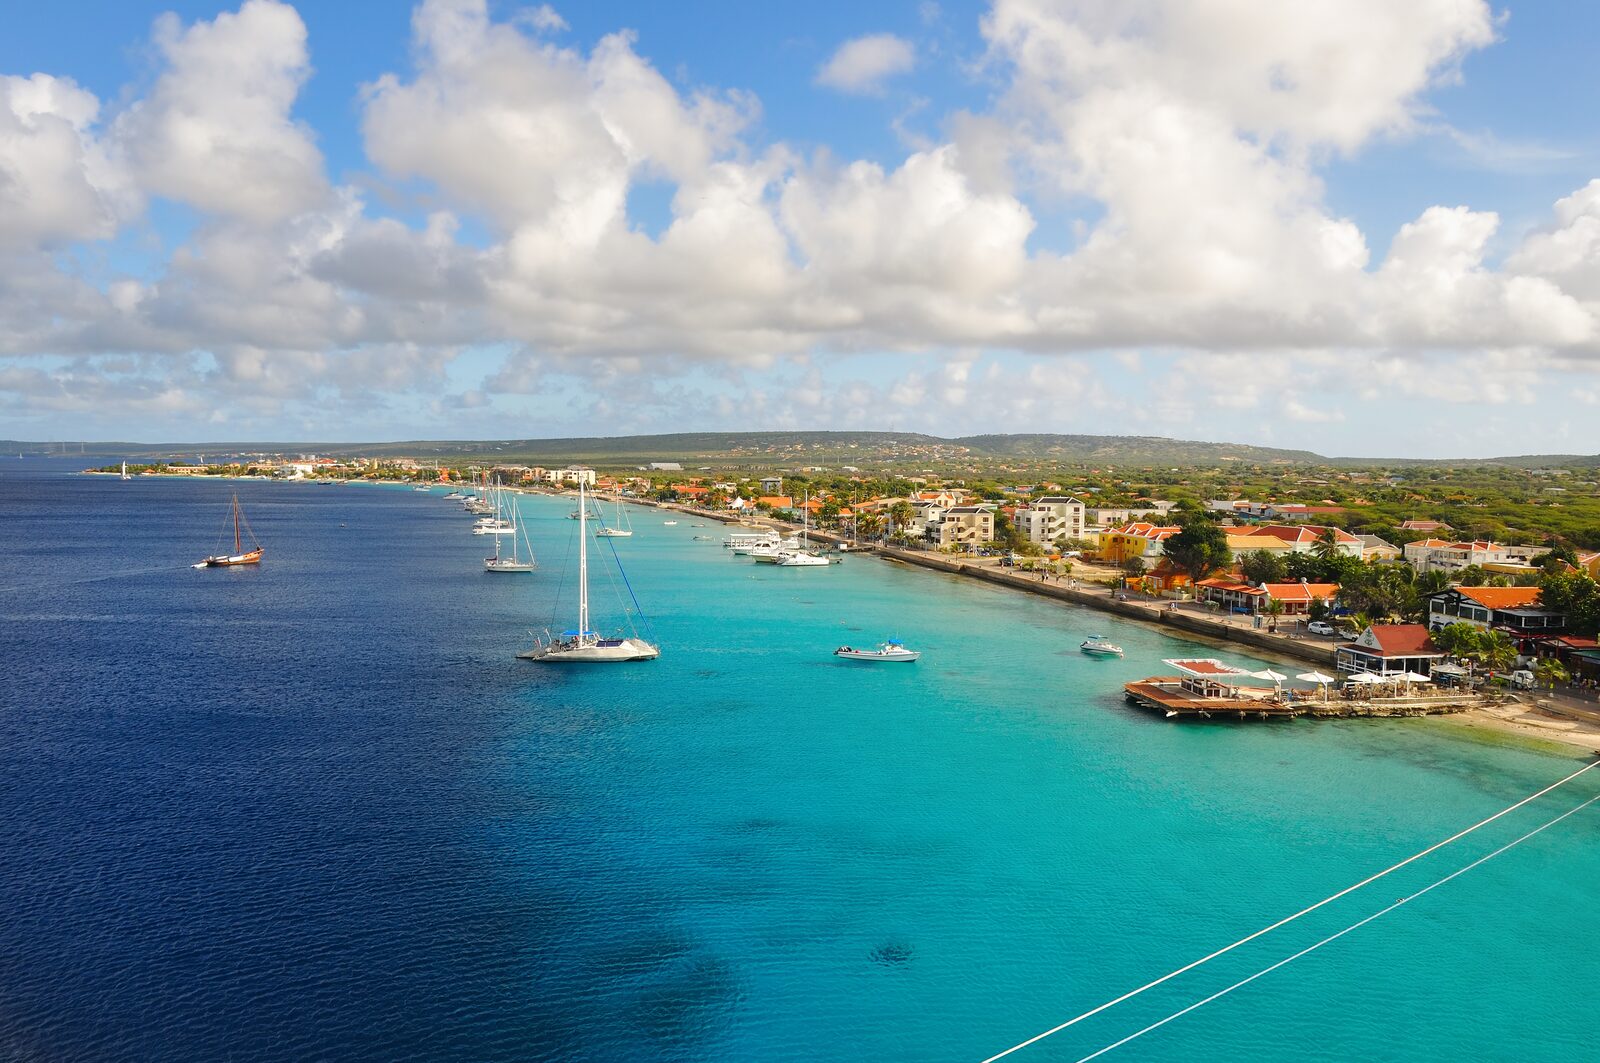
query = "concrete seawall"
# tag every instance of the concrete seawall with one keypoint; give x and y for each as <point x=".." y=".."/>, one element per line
<point x="1102" y="599"/>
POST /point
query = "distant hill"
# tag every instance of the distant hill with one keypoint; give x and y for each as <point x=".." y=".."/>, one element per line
<point x="766" y="449"/>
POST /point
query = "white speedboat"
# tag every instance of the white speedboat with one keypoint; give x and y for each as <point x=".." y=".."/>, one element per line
<point x="802" y="559"/>
<point x="891" y="651"/>
<point x="669" y="523"/>
<point x="496" y="527"/>
<point x="1100" y="646"/>
<point x="583" y="645"/>
<point x="454" y="496"/>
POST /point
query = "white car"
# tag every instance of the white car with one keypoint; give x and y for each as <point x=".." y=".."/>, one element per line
<point x="1320" y="627"/>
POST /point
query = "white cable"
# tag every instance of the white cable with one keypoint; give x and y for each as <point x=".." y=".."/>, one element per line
<point x="1288" y="919"/>
<point x="1335" y="937"/>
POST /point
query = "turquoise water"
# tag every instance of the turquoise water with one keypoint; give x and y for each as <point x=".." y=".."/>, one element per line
<point x="786" y="856"/>
<point x="318" y="810"/>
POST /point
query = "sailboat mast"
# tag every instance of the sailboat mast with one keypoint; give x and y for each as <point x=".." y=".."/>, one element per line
<point x="583" y="562"/>
<point x="238" y="545"/>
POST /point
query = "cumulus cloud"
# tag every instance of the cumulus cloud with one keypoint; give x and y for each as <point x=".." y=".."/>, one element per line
<point x="861" y="65"/>
<point x="57" y="182"/>
<point x="215" y="131"/>
<point x="1195" y="133"/>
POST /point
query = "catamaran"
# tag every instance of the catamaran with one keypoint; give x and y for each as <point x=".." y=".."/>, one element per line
<point x="582" y="645"/>
<point x="621" y="529"/>
<point x="240" y="555"/>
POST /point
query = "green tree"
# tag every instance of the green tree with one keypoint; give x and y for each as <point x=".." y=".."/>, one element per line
<point x="1549" y="671"/>
<point x="1326" y="548"/>
<point x="1263" y="566"/>
<point x="1576" y="595"/>
<point x="1200" y="547"/>
<point x="1458" y="639"/>
<point x="902" y="513"/>
<point x="1497" y="651"/>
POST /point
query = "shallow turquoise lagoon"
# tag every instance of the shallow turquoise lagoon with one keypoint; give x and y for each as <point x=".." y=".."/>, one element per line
<point x="769" y="853"/>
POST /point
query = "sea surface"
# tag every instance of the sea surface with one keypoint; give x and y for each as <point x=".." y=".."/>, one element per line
<point x="318" y="810"/>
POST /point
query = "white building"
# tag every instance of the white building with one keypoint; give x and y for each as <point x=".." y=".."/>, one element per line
<point x="1050" y="518"/>
<point x="573" y="476"/>
<point x="1429" y="555"/>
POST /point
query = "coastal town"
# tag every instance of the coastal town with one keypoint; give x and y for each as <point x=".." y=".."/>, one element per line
<point x="1400" y="615"/>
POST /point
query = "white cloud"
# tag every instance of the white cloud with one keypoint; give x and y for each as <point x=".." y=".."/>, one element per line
<point x="215" y="130"/>
<point x="862" y="65"/>
<point x="1194" y="134"/>
<point x="56" y="180"/>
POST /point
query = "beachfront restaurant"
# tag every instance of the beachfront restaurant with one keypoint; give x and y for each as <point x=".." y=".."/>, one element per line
<point x="1390" y="649"/>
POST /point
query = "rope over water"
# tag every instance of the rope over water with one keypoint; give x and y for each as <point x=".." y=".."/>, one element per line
<point x="1336" y="936"/>
<point x="1036" y="1038"/>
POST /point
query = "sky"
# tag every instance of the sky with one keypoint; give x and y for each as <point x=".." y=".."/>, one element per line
<point x="1352" y="226"/>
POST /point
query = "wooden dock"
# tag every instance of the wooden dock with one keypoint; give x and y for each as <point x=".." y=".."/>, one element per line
<point x="1167" y="695"/>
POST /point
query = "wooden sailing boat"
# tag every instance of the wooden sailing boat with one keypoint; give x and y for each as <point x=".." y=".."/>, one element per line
<point x="240" y="555"/>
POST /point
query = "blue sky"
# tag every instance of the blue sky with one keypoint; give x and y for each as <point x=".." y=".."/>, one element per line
<point x="1365" y="230"/>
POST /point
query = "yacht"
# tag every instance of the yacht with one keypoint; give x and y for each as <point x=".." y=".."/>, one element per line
<point x="582" y="645"/>
<point x="801" y="556"/>
<point x="1100" y="646"/>
<point x="741" y="541"/>
<point x="891" y="651"/>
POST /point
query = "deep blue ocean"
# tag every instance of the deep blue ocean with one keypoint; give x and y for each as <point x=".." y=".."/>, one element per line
<point x="318" y="810"/>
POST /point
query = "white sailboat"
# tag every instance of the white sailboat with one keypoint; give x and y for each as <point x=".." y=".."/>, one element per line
<point x="516" y="562"/>
<point x="125" y="475"/>
<point x="621" y="529"/>
<point x="583" y="645"/>
<point x="801" y="557"/>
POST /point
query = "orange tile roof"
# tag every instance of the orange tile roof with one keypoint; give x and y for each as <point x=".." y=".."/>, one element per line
<point x="1403" y="640"/>
<point x="1502" y="597"/>
<point x="1302" y="533"/>
<point x="1218" y="583"/>
<point x="1301" y="592"/>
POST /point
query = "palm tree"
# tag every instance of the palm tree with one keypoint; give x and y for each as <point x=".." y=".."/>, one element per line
<point x="1498" y="651"/>
<point x="1274" y="609"/>
<point x="1550" y="671"/>
<point x="1326" y="548"/>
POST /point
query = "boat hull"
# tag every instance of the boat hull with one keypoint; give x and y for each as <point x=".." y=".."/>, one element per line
<point x="1096" y="651"/>
<point x="874" y="657"/>
<point x="508" y="566"/>
<point x="612" y="533"/>
<point x="253" y="557"/>
<point x="606" y="651"/>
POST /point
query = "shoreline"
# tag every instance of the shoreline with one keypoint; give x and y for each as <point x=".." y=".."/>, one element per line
<point x="1534" y="725"/>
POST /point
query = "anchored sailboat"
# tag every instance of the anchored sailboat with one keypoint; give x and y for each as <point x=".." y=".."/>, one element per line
<point x="621" y="529"/>
<point x="519" y="531"/>
<point x="583" y="645"/>
<point x="240" y="555"/>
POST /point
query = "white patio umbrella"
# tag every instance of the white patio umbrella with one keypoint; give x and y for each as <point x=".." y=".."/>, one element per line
<point x="1415" y="677"/>
<point x="1270" y="676"/>
<point x="1318" y="678"/>
<point x="1368" y="678"/>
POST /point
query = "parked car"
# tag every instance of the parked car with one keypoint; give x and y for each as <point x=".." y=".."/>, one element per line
<point x="1320" y="627"/>
<point x="1522" y="679"/>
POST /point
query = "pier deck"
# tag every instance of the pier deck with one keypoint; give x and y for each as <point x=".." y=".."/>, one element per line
<point x="1165" y="694"/>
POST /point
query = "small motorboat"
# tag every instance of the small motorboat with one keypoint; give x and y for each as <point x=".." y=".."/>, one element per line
<point x="885" y="653"/>
<point x="669" y="523"/>
<point x="1100" y="646"/>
